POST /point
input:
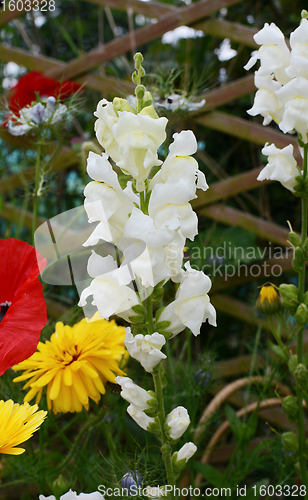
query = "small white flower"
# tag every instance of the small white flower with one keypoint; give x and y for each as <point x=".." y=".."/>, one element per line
<point x="111" y="295"/>
<point x="281" y="166"/>
<point x="266" y="102"/>
<point x="274" y="54"/>
<point x="72" y="495"/>
<point x="169" y="207"/>
<point x="107" y="118"/>
<point x="140" y="417"/>
<point x="187" y="451"/>
<point x="179" y="164"/>
<point x="191" y="306"/>
<point x="294" y="96"/>
<point x="145" y="349"/>
<point x="155" y="492"/>
<point x="34" y="116"/>
<point x="138" y="137"/>
<point x="178" y="420"/>
<point x="134" y="394"/>
<point x="299" y="54"/>
<point x="177" y="101"/>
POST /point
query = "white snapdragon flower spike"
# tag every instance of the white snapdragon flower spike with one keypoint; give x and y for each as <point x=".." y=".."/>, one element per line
<point x="266" y="102"/>
<point x="191" y="306"/>
<point x="299" y="54"/>
<point x="169" y="207"/>
<point x="177" y="421"/>
<point x="72" y="495"/>
<point x="145" y="349"/>
<point x="134" y="394"/>
<point x="138" y="137"/>
<point x="111" y="295"/>
<point x="179" y="164"/>
<point x="274" y="54"/>
<point x="187" y="451"/>
<point x="294" y="96"/>
<point x="140" y="417"/>
<point x="107" y="118"/>
<point x="281" y="166"/>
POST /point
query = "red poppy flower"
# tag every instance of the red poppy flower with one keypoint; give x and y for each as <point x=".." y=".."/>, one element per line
<point x="23" y="93"/>
<point x="22" y="304"/>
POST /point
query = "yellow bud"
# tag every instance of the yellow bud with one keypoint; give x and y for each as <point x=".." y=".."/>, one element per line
<point x="268" y="301"/>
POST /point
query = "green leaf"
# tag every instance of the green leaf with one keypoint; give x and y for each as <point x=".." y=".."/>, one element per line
<point x="234" y="421"/>
<point x="251" y="426"/>
<point x="139" y="309"/>
<point x="162" y="325"/>
<point x="212" y="475"/>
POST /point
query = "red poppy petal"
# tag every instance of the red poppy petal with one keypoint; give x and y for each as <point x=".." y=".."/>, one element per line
<point x="18" y="262"/>
<point x="22" y="324"/>
<point x="23" y="93"/>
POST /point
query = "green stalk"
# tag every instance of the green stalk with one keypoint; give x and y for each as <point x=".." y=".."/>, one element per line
<point x="301" y="289"/>
<point x="165" y="449"/>
<point x="37" y="182"/>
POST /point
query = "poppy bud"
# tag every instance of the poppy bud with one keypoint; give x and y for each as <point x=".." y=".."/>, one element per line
<point x="268" y="301"/>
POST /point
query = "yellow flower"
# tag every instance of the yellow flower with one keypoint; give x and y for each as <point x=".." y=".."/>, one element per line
<point x="17" y="424"/>
<point x="268" y="301"/>
<point x="75" y="364"/>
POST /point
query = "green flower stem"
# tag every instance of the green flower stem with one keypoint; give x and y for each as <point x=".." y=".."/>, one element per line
<point x="37" y="182"/>
<point x="90" y="423"/>
<point x="277" y="336"/>
<point x="165" y="449"/>
<point x="301" y="289"/>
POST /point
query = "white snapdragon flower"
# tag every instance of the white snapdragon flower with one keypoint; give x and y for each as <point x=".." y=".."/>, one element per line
<point x="191" y="306"/>
<point x="294" y="96"/>
<point x="145" y="349"/>
<point x="107" y="118"/>
<point x="111" y="295"/>
<point x="140" y="417"/>
<point x="179" y="164"/>
<point x="164" y="247"/>
<point x="169" y="207"/>
<point x="138" y="137"/>
<point x="177" y="422"/>
<point x="299" y="54"/>
<point x="115" y="205"/>
<point x="266" y="102"/>
<point x="134" y="394"/>
<point x="72" y="495"/>
<point x="187" y="451"/>
<point x="274" y="54"/>
<point x="281" y="166"/>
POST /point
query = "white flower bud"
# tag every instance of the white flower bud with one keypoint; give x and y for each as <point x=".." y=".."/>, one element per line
<point x="178" y="420"/>
<point x="134" y="394"/>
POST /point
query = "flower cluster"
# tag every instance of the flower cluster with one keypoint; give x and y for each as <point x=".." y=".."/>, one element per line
<point x="148" y="221"/>
<point x="282" y="96"/>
